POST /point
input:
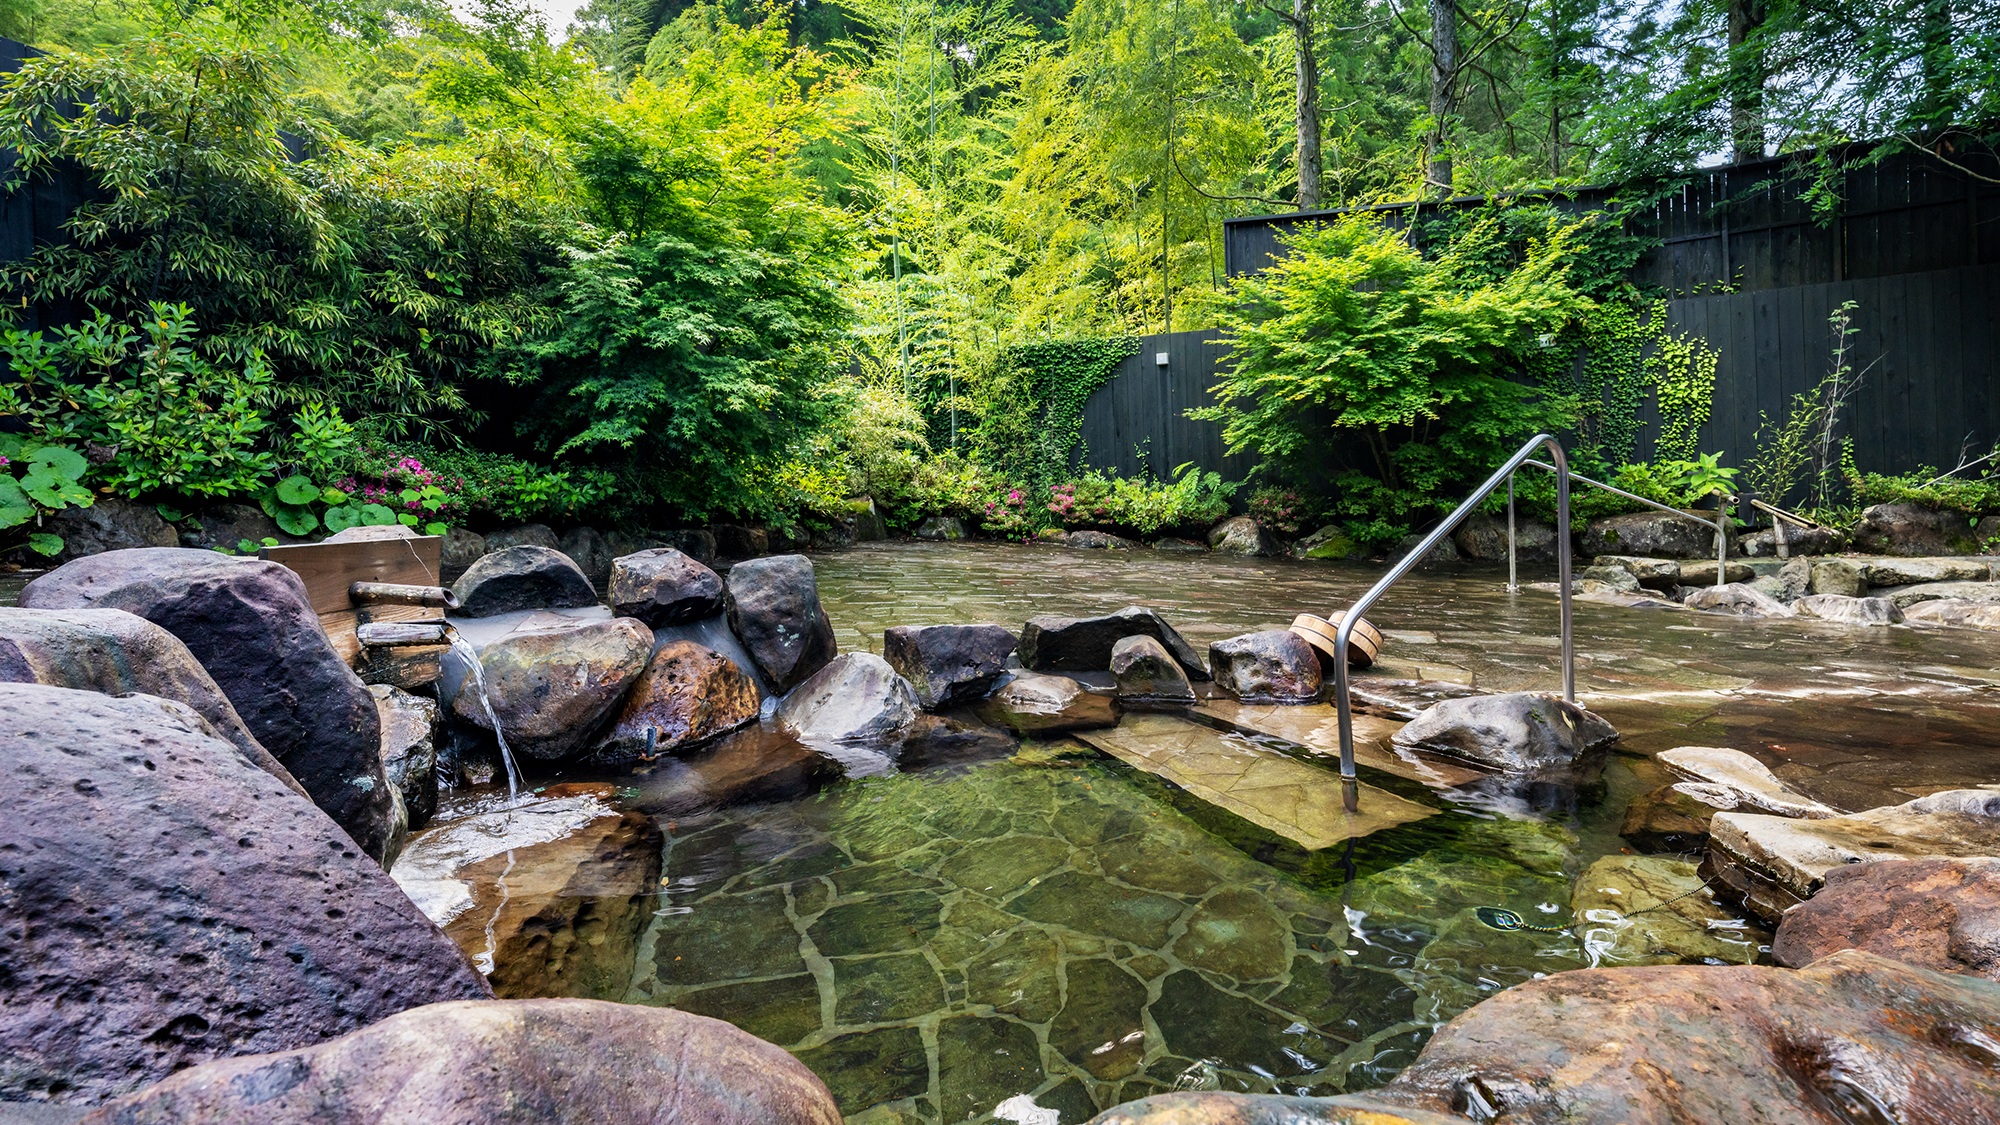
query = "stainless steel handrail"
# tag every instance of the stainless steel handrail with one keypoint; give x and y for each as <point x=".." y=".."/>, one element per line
<point x="1410" y="561"/>
<point x="1721" y="514"/>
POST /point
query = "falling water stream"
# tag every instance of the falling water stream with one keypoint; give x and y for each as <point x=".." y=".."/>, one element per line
<point x="470" y="655"/>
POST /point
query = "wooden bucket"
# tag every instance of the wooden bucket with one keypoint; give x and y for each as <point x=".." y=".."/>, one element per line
<point x="1363" y="645"/>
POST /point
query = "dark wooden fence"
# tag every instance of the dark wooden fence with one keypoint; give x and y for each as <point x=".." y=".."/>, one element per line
<point x="1748" y="226"/>
<point x="33" y="214"/>
<point x="1138" y="420"/>
<point x="1930" y="342"/>
<point x="1927" y="345"/>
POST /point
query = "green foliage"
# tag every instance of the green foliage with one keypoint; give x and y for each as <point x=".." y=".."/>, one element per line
<point x="1357" y="340"/>
<point x="51" y="482"/>
<point x="1286" y="511"/>
<point x="459" y="486"/>
<point x="1700" y="478"/>
<point x="1031" y="423"/>
<point x="1135" y="505"/>
<point x="1972" y="496"/>
<point x="1799" y="453"/>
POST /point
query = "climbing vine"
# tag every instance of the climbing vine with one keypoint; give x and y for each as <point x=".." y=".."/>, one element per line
<point x="1035" y="419"/>
<point x="1681" y="369"/>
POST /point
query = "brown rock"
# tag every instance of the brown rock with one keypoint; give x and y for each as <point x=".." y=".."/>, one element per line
<point x="552" y="1062"/>
<point x="1146" y="670"/>
<point x="409" y="748"/>
<point x="167" y="902"/>
<point x="1774" y="863"/>
<point x="523" y="576"/>
<point x="551" y="690"/>
<point x="687" y="696"/>
<point x="1746" y="1045"/>
<point x="1674" y="818"/>
<point x="1053" y="643"/>
<point x="1941" y="914"/>
<point x="563" y="917"/>
<point x="527" y="534"/>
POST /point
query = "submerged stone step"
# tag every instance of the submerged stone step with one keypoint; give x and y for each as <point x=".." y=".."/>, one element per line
<point x="1300" y="802"/>
<point x="1317" y="728"/>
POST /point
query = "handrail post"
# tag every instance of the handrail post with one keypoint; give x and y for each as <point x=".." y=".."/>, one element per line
<point x="1409" y="562"/>
<point x="1721" y="539"/>
<point x="1513" y="583"/>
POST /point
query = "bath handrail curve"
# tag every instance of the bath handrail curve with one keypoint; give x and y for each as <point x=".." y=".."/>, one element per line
<point x="1422" y="551"/>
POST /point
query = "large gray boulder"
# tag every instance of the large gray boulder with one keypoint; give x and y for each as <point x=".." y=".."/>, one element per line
<point x="588" y="550"/>
<point x="1962" y="614"/>
<point x="1275" y="665"/>
<point x="856" y="697"/>
<point x="250" y="625"/>
<point x="1654" y="574"/>
<point x="948" y="664"/>
<point x="113" y="523"/>
<point x="774" y="610"/>
<point x="1483" y="538"/>
<point x="168" y="902"/>
<point x="1054" y="643"/>
<point x="663" y="586"/>
<point x="1774" y="863"/>
<point x="1652" y="534"/>
<point x="550" y="691"/>
<point x="688" y="695"/>
<point x="117" y="653"/>
<point x="1521" y="730"/>
<point x="1146" y="671"/>
<point x="1941" y="914"/>
<point x="941" y="529"/>
<point x="520" y="577"/>
<point x="1913" y="530"/>
<point x="1903" y="597"/>
<point x="1241" y="535"/>
<point x="552" y="1062"/>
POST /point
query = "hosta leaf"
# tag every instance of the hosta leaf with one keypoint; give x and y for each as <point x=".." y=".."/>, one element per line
<point x="45" y="543"/>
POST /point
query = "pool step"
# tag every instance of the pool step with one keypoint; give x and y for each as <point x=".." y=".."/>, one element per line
<point x="1317" y="728"/>
<point x="1297" y="801"/>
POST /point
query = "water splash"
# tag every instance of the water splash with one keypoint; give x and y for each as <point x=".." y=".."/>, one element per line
<point x="470" y="655"/>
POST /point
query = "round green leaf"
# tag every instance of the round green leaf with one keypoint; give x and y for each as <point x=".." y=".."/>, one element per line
<point x="64" y="460"/>
<point x="333" y="496"/>
<point x="341" y="518"/>
<point x="296" y="520"/>
<point x="435" y="529"/>
<point x="375" y="515"/>
<point x="298" y="490"/>
<point x="44" y="543"/>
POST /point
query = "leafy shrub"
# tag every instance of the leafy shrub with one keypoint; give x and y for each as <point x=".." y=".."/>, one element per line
<point x="51" y="482"/>
<point x="1110" y="502"/>
<point x="473" y="485"/>
<point x="1284" y="510"/>
<point x="1355" y="341"/>
<point x="1972" y="496"/>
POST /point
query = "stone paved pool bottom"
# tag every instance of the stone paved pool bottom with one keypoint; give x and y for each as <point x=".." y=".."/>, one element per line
<point x="936" y="943"/>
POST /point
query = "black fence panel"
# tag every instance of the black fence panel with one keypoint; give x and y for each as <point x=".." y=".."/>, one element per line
<point x="1751" y="226"/>
<point x="1138" y="421"/>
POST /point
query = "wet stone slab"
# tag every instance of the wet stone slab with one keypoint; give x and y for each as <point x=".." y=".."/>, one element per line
<point x="1300" y="802"/>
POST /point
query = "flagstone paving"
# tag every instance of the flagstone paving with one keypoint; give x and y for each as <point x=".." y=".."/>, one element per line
<point x="1083" y="933"/>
